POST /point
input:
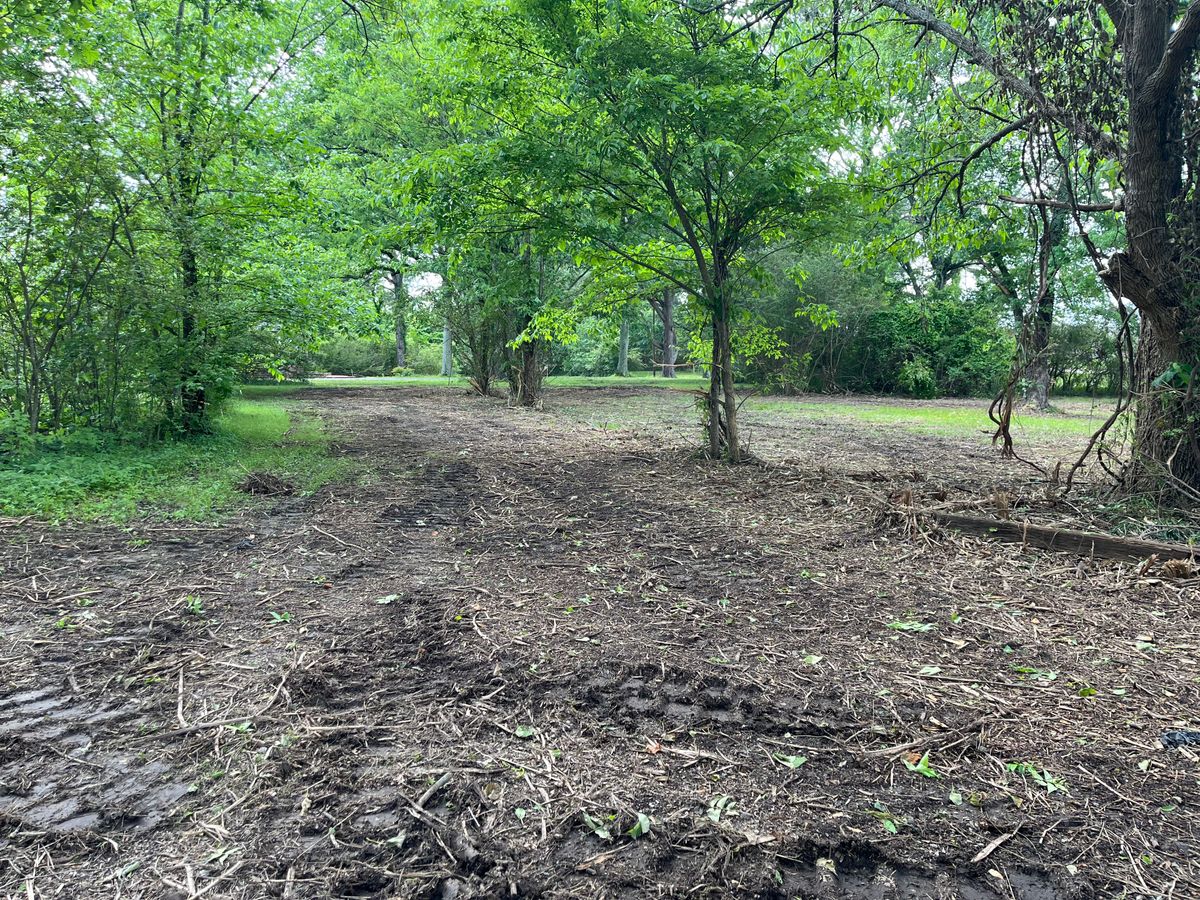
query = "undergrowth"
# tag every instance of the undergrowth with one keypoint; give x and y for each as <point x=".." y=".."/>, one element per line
<point x="84" y="479"/>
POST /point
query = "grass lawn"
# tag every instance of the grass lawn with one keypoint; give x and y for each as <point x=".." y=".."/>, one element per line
<point x="956" y="419"/>
<point x="193" y="480"/>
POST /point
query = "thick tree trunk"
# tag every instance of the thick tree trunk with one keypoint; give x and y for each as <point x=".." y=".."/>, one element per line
<point x="447" y="349"/>
<point x="1038" y="369"/>
<point x="529" y="374"/>
<point x="623" y="349"/>
<point x="1166" y="436"/>
<point x="1151" y="273"/>
<point x="399" y="310"/>
<point x="670" y="352"/>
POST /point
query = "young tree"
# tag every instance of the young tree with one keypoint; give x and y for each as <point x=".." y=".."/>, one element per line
<point x="665" y="135"/>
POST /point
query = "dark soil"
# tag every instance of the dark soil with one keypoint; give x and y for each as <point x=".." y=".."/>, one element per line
<point x="514" y="632"/>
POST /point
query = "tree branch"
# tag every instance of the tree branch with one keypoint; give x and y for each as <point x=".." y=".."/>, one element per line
<point x="985" y="59"/>
<point x="1179" y="48"/>
<point x="1049" y="202"/>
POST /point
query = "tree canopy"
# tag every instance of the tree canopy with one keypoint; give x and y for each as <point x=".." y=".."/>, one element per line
<point x="938" y="198"/>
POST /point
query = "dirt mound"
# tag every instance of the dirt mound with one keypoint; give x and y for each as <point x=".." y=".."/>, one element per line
<point x="266" y="484"/>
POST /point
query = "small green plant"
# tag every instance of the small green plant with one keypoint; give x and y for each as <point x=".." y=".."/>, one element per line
<point x="281" y="618"/>
<point x="922" y="767"/>
<point x="193" y="605"/>
<point x="720" y="807"/>
<point x="641" y="827"/>
<point x="911" y="625"/>
<point x="1052" y="783"/>
<point x="792" y="762"/>
<point x="888" y="820"/>
<point x="598" y="828"/>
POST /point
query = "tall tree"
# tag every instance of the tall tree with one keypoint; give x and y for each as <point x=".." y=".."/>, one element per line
<point x="1118" y="78"/>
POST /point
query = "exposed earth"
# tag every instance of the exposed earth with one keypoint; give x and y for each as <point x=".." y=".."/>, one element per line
<point x="524" y="656"/>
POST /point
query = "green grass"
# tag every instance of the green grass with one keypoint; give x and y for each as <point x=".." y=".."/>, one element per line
<point x="943" y="421"/>
<point x="682" y="382"/>
<point x="193" y="480"/>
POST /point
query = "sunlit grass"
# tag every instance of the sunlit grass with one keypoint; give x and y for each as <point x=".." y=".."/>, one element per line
<point x="956" y="420"/>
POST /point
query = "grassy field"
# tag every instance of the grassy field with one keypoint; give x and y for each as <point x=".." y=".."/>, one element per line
<point x="943" y="418"/>
<point x="193" y="480"/>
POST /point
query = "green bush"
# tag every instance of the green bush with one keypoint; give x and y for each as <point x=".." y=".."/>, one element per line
<point x="353" y="356"/>
<point x="916" y="378"/>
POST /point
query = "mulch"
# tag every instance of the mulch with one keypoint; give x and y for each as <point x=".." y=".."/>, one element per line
<point x="524" y="656"/>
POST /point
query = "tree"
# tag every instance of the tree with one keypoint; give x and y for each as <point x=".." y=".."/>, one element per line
<point x="1118" y="78"/>
<point x="659" y="134"/>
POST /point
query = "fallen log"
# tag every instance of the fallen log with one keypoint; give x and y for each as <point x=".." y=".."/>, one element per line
<point x="1065" y="540"/>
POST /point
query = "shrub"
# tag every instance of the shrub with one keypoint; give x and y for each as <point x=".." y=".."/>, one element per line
<point x="916" y="378"/>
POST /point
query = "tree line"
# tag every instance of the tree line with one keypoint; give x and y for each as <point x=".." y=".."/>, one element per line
<point x="926" y="198"/>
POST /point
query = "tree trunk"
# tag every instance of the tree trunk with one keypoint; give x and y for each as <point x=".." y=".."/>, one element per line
<point x="723" y="355"/>
<point x="1152" y="273"/>
<point x="1038" y="369"/>
<point x="1166" y="435"/>
<point x="447" y="349"/>
<point x="529" y="374"/>
<point x="670" y="352"/>
<point x="192" y="395"/>
<point x="399" y="309"/>
<point x="623" y="349"/>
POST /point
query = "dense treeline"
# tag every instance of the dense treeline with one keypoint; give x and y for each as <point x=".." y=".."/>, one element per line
<point x="197" y="192"/>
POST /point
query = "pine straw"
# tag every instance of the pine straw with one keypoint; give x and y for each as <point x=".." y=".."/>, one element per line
<point x="520" y="613"/>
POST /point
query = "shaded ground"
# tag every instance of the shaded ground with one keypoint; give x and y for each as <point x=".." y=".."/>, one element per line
<point x="519" y="632"/>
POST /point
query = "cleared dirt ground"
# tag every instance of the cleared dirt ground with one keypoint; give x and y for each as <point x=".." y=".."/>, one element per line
<point x="519" y="633"/>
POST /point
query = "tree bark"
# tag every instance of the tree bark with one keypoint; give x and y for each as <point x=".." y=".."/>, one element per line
<point x="1038" y="370"/>
<point x="529" y="374"/>
<point x="192" y="396"/>
<point x="670" y="352"/>
<point x="623" y="349"/>
<point x="447" y="350"/>
<point x="399" y="310"/>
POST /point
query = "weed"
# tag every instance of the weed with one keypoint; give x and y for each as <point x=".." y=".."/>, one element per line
<point x="911" y="625"/>
<point x="1052" y="783"/>
<point x="922" y="767"/>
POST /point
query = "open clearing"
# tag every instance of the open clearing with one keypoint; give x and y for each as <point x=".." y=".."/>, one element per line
<point x="476" y="668"/>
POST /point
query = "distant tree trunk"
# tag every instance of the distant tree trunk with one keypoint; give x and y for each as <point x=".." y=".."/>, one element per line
<point x="399" y="310"/>
<point x="623" y="350"/>
<point x="447" y="349"/>
<point x="192" y="396"/>
<point x="1038" y="371"/>
<point x="670" y="352"/>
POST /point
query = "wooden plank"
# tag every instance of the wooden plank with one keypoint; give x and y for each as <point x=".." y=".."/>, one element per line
<point x="1065" y="540"/>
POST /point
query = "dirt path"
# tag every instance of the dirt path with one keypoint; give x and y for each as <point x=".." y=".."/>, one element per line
<point x="516" y="632"/>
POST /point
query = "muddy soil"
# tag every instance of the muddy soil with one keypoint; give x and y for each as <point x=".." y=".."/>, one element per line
<point x="523" y="657"/>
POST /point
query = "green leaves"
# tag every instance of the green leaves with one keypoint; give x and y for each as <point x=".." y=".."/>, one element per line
<point x="791" y="762"/>
<point x="1052" y="783"/>
<point x="921" y="766"/>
